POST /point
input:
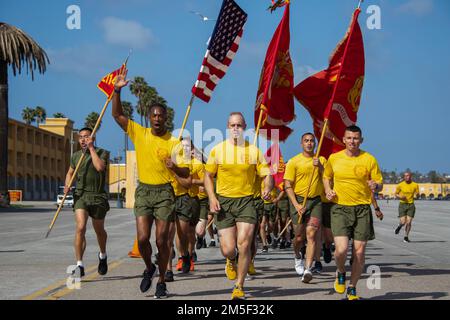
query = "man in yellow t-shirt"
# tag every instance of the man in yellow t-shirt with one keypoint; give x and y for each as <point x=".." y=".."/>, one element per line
<point x="236" y="163"/>
<point x="296" y="180"/>
<point x="156" y="151"/>
<point x="355" y="175"/>
<point x="406" y="191"/>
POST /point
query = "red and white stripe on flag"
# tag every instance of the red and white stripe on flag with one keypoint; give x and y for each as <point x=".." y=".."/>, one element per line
<point x="213" y="70"/>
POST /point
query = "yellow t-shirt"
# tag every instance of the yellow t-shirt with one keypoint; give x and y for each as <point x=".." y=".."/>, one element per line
<point x="151" y="151"/>
<point x="350" y="176"/>
<point x="257" y="186"/>
<point x="408" y="190"/>
<point x="198" y="173"/>
<point x="236" y="168"/>
<point x="299" y="170"/>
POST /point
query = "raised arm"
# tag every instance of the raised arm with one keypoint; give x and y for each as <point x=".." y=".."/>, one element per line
<point x="117" y="110"/>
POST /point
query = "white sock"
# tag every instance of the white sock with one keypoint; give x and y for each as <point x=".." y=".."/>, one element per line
<point x="102" y="255"/>
<point x="80" y="263"/>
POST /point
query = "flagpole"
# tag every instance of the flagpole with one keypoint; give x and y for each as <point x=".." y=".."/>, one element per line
<point x="188" y="111"/>
<point x="83" y="154"/>
<point x="258" y="126"/>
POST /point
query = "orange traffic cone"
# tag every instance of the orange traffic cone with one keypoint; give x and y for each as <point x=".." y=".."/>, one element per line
<point x="134" y="253"/>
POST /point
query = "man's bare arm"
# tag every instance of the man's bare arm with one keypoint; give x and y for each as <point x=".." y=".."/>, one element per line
<point x="117" y="110"/>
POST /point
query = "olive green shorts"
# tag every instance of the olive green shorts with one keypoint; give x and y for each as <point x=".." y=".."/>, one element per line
<point x="157" y="201"/>
<point x="312" y="216"/>
<point x="354" y="222"/>
<point x="235" y="210"/>
<point x="326" y="214"/>
<point x="204" y="208"/>
<point x="283" y="208"/>
<point x="96" y="204"/>
<point x="406" y="209"/>
<point x="259" y="207"/>
<point x="183" y="207"/>
<point x="270" y="211"/>
<point x="195" y="210"/>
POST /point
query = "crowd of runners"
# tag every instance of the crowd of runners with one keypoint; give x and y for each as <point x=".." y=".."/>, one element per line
<point x="322" y="209"/>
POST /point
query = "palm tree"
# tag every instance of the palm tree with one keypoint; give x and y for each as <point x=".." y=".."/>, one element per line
<point x="59" y="115"/>
<point x="138" y="88"/>
<point x="16" y="49"/>
<point x="128" y="111"/>
<point x="41" y="114"/>
<point x="28" y="115"/>
<point x="91" y="120"/>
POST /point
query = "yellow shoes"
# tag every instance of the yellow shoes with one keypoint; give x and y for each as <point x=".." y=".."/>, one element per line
<point x="351" y="294"/>
<point x="251" y="268"/>
<point x="339" y="283"/>
<point x="230" y="269"/>
<point x="238" y="293"/>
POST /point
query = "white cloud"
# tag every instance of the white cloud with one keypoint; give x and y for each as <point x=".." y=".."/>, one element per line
<point x="417" y="7"/>
<point x="127" y="33"/>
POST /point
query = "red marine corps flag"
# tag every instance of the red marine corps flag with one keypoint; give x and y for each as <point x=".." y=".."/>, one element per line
<point x="334" y="94"/>
<point x="107" y="83"/>
<point x="277" y="166"/>
<point x="274" y="107"/>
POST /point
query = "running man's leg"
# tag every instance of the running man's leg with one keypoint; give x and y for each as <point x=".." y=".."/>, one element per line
<point x="408" y="225"/>
<point x="359" y="252"/>
<point x="102" y="236"/>
<point x="144" y="227"/>
<point x="228" y="242"/>
<point x="244" y="241"/>
<point x="162" y="242"/>
<point x="81" y="218"/>
<point x="340" y="253"/>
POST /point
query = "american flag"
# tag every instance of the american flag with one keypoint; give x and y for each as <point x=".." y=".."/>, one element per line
<point x="222" y="48"/>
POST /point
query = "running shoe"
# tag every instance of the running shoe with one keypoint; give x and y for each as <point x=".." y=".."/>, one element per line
<point x="161" y="291"/>
<point x="102" y="265"/>
<point x="78" y="272"/>
<point x="265" y="249"/>
<point x="199" y="243"/>
<point x="299" y="266"/>
<point x="339" y="283"/>
<point x="283" y="244"/>
<point x="288" y="244"/>
<point x="251" y="268"/>
<point x="238" y="293"/>
<point x="274" y="244"/>
<point x="212" y="243"/>
<point x="230" y="269"/>
<point x="186" y="264"/>
<point x="179" y="264"/>
<point x="406" y="239"/>
<point x="168" y="277"/>
<point x="148" y="276"/>
<point x="269" y="239"/>
<point x="351" y="294"/>
<point x="307" y="276"/>
<point x="327" y="255"/>
<point x="397" y="231"/>
<point x="204" y="243"/>
<point x="317" y="267"/>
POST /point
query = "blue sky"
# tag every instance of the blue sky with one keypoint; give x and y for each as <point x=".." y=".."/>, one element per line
<point x="404" y="110"/>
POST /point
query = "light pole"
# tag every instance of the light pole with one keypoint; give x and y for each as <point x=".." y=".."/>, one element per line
<point x="117" y="162"/>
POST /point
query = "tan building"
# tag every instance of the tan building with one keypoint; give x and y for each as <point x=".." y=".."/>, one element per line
<point x="426" y="190"/>
<point x="38" y="158"/>
<point x="117" y="177"/>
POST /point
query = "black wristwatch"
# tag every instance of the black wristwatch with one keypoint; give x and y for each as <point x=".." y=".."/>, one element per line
<point x="116" y="90"/>
<point x="377" y="209"/>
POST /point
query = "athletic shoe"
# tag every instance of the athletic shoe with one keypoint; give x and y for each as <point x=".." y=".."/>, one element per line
<point x="283" y="244"/>
<point x="269" y="239"/>
<point x="406" y="239"/>
<point x="327" y="256"/>
<point x="146" y="282"/>
<point x="78" y="272"/>
<point x="351" y="294"/>
<point x="204" y="243"/>
<point x="179" y="264"/>
<point x="397" y="231"/>
<point x="168" y="277"/>
<point x="274" y="244"/>
<point x="265" y="249"/>
<point x="102" y="266"/>
<point x="192" y="264"/>
<point x="238" y="293"/>
<point x="339" y="283"/>
<point x="161" y="291"/>
<point x="251" y="268"/>
<point x="194" y="256"/>
<point x="299" y="266"/>
<point x="186" y="264"/>
<point x="199" y="243"/>
<point x="230" y="269"/>
<point x="212" y="243"/>
<point x="307" y="276"/>
<point x="317" y="267"/>
<point x="288" y="244"/>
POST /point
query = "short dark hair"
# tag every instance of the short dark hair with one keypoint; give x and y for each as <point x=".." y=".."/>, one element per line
<point x="86" y="129"/>
<point x="158" y="105"/>
<point x="354" y="128"/>
<point x="308" y="134"/>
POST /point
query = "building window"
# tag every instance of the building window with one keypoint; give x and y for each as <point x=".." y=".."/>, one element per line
<point x="11" y="130"/>
<point x="52" y="164"/>
<point x="45" y="163"/>
<point x="29" y="160"/>
<point x="60" y="144"/>
<point x="37" y="139"/>
<point x="37" y="162"/>
<point x="46" y="141"/>
<point x="30" y="136"/>
<point x="19" y="159"/>
<point x="20" y="133"/>
<point x="53" y="143"/>
<point x="59" y="165"/>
